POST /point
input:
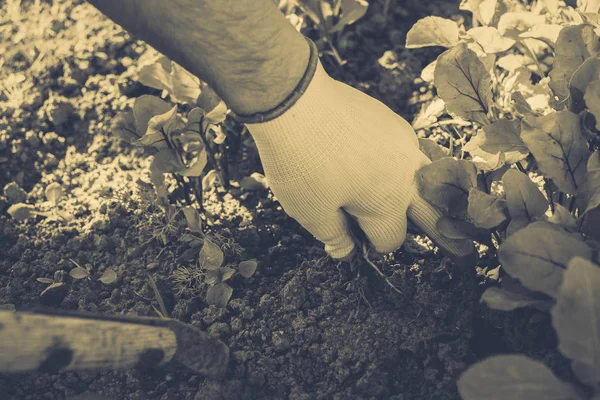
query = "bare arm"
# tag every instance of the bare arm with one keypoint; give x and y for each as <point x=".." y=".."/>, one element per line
<point x="244" y="49"/>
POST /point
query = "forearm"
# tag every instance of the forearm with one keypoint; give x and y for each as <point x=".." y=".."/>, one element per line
<point x="244" y="49"/>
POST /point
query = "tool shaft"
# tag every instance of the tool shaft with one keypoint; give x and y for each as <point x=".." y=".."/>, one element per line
<point x="51" y="343"/>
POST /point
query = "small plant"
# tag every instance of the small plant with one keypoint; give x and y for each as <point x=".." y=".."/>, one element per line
<point x="330" y="17"/>
<point x="210" y="269"/>
<point x="54" y="193"/>
<point x="52" y="284"/>
<point x="530" y="190"/>
<point x="108" y="277"/>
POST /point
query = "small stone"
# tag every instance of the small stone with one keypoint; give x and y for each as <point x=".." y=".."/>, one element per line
<point x="14" y="194"/>
<point x="280" y="342"/>
<point x="294" y="295"/>
<point x="219" y="330"/>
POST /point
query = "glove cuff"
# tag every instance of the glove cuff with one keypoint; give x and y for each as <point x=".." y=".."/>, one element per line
<point x="293" y="97"/>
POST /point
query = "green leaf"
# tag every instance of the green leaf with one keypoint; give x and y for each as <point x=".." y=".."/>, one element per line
<point x="167" y="160"/>
<point x="79" y="273"/>
<point x="54" y="192"/>
<point x="159" y="124"/>
<point x="445" y="183"/>
<point x="144" y="108"/>
<point x="123" y="125"/>
<point x="592" y="100"/>
<point x="504" y="300"/>
<point x="587" y="72"/>
<point x="523" y="197"/>
<point x="108" y="277"/>
<point x="588" y="194"/>
<point x="545" y="32"/>
<point x="521" y="105"/>
<point x="490" y="39"/>
<point x="208" y="99"/>
<point x="486" y="211"/>
<point x="21" y="211"/>
<point x="514" y="377"/>
<point x="211" y="255"/>
<point x="219" y="295"/>
<point x="193" y="219"/>
<point x="226" y="273"/>
<point x="54" y="285"/>
<point x="464" y="84"/>
<point x="217" y="114"/>
<point x="588" y="6"/>
<point x="212" y="277"/>
<point x="157" y="75"/>
<point x="488" y="9"/>
<point x="561" y="216"/>
<point x="428" y="115"/>
<point x="433" y="31"/>
<point x="197" y="167"/>
<point x="590" y="18"/>
<point x="195" y="115"/>
<point x="209" y="180"/>
<point x="538" y="255"/>
<point x="352" y="11"/>
<point x="576" y="317"/>
<point x="454" y="228"/>
<point x="44" y="280"/>
<point x="575" y="44"/>
<point x="247" y="268"/>
<point x="561" y="151"/>
<point x="185" y="86"/>
<point x="512" y="24"/>
<point x="501" y="136"/>
<point x="432" y="150"/>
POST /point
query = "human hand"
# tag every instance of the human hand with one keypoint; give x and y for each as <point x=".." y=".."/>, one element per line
<point x="338" y="152"/>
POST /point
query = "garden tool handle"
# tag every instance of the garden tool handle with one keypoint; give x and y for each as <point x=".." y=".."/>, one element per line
<point x="52" y="343"/>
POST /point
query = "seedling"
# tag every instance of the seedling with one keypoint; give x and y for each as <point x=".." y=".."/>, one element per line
<point x="54" y="193"/>
<point x="211" y="271"/>
<point x="107" y="277"/>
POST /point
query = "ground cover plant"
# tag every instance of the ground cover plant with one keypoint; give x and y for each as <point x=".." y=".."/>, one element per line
<point x="166" y="212"/>
<point x="529" y="190"/>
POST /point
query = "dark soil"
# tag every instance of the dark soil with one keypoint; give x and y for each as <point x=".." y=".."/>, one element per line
<point x="304" y="326"/>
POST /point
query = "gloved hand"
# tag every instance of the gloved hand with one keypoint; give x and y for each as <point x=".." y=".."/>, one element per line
<point x="339" y="149"/>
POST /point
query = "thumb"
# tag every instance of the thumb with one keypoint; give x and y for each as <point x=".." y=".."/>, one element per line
<point x="425" y="216"/>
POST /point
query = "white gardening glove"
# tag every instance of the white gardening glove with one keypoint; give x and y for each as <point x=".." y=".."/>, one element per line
<point x="339" y="149"/>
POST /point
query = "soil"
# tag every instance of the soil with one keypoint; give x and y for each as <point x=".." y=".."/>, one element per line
<point x="304" y="326"/>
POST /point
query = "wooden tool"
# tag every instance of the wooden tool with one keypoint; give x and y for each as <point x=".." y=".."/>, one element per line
<point x="51" y="340"/>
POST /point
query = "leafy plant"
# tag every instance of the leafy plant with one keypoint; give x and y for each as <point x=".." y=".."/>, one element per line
<point x="54" y="193"/>
<point x="210" y="269"/>
<point x="527" y="184"/>
<point x="107" y="277"/>
<point x="330" y="17"/>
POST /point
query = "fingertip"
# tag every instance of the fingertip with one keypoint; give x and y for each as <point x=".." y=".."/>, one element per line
<point x="341" y="254"/>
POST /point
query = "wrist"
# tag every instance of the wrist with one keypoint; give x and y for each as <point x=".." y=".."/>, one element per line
<point x="279" y="100"/>
<point x="263" y="86"/>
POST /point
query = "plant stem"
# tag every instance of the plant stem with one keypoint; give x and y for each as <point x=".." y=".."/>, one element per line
<point x="549" y="194"/>
<point x="535" y="59"/>
<point x="497" y="237"/>
<point x="197" y="187"/>
<point x="179" y="179"/>
<point x="365" y="251"/>
<point x="209" y="150"/>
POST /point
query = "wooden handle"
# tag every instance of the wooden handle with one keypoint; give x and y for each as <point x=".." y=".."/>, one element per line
<point x="51" y="343"/>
